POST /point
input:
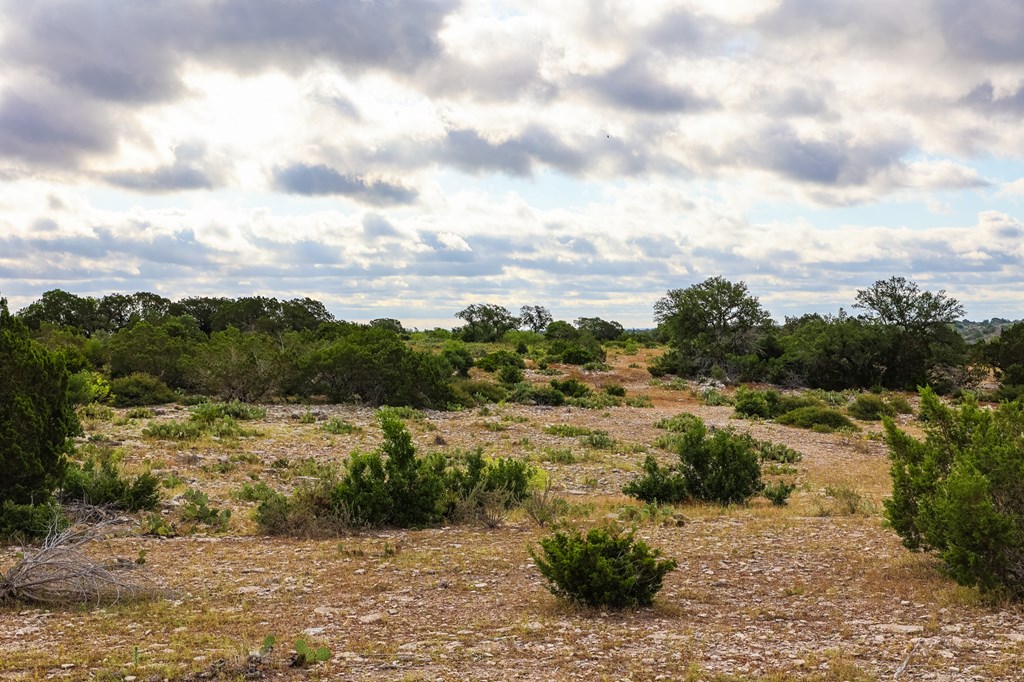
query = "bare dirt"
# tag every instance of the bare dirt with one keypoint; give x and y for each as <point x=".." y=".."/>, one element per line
<point x="816" y="590"/>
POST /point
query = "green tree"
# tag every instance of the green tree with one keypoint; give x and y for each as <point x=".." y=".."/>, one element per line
<point x="486" y="322"/>
<point x="602" y="330"/>
<point x="63" y="309"/>
<point x="713" y="323"/>
<point x="921" y="324"/>
<point x="37" y="418"/>
<point x="536" y="318"/>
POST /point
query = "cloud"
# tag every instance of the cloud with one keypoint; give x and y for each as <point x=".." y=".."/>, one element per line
<point x="134" y="51"/>
<point x="47" y="130"/>
<point x="321" y="180"/>
<point x="633" y="85"/>
<point x="984" y="30"/>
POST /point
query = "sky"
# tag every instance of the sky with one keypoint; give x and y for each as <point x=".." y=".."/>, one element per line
<point x="406" y="158"/>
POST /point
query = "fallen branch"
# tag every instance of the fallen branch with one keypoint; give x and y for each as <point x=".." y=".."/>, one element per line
<point x="60" y="572"/>
<point x="906" y="661"/>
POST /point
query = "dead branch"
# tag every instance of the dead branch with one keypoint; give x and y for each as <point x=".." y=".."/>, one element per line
<point x="61" y="572"/>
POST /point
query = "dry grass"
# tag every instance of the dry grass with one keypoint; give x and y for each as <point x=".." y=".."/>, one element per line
<point x="762" y="592"/>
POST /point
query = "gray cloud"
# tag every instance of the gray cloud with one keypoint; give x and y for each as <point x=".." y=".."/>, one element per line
<point x="836" y="160"/>
<point x="318" y="180"/>
<point x="516" y="155"/>
<point x="985" y="30"/>
<point x="46" y="129"/>
<point x="132" y="51"/>
<point x="633" y="85"/>
<point x="983" y="98"/>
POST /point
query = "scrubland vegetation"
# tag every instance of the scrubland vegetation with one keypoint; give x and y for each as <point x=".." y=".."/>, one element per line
<point x="249" y="488"/>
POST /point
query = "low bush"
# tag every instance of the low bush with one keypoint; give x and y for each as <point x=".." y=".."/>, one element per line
<point x="777" y="452"/>
<point x="472" y="392"/>
<point x="778" y="493"/>
<point x="677" y="424"/>
<point x="571" y="388"/>
<point x="99" y="482"/>
<point x="604" y="568"/>
<point x="567" y="430"/>
<point x="823" y="419"/>
<point x="528" y="394"/>
<point x="870" y="407"/>
<point x="210" y="412"/>
<point x="509" y="375"/>
<point x="596" y="401"/>
<point x="658" y="484"/>
<point x="616" y="390"/>
<point x="500" y="358"/>
<point x="722" y="467"/>
<point x="138" y="390"/>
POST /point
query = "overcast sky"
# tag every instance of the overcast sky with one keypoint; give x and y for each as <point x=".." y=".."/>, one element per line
<point x="405" y="158"/>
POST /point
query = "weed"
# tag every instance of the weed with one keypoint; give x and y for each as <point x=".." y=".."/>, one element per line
<point x="338" y="426"/>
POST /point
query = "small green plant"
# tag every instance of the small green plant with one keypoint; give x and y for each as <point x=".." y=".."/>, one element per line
<point x="307" y="417"/>
<point x="254" y="492"/>
<point x="307" y="655"/>
<point x="197" y="510"/>
<point x="338" y="426"/>
<point x="558" y="456"/>
<point x="140" y="389"/>
<point x="155" y="524"/>
<point x="639" y="401"/>
<point x="900" y="404"/>
<point x="599" y="440"/>
<point x="615" y="389"/>
<point x="96" y="412"/>
<point x="770" y="451"/>
<point x="604" y="568"/>
<point x="778" y="493"/>
<point x="677" y="424"/>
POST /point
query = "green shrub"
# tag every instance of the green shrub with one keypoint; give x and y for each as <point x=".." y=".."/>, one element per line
<point x="715" y="398"/>
<point x="25" y="522"/>
<point x="571" y="388"/>
<point x="959" y="491"/>
<point x="751" y="403"/>
<point x="140" y="413"/>
<point x="658" y="484"/>
<point x="472" y="392"/>
<point x="254" y="492"/>
<point x="140" y="389"/>
<point x="615" y="389"/>
<point x="99" y="482"/>
<point x="604" y="568"/>
<point x="509" y="375"/>
<point x="500" y="358"/>
<point x="86" y="387"/>
<point x="677" y="424"/>
<point x="559" y="456"/>
<point x="870" y="407"/>
<point x="778" y="493"/>
<point x="210" y="412"/>
<point x="900" y="404"/>
<point x="722" y="467"/>
<point x="639" y="401"/>
<point x="818" y="418"/>
<point x="599" y="440"/>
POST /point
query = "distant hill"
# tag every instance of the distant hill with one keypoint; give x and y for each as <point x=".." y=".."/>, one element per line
<point x="981" y="331"/>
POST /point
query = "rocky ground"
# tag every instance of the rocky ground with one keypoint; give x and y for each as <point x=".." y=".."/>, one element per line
<point x="816" y="590"/>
